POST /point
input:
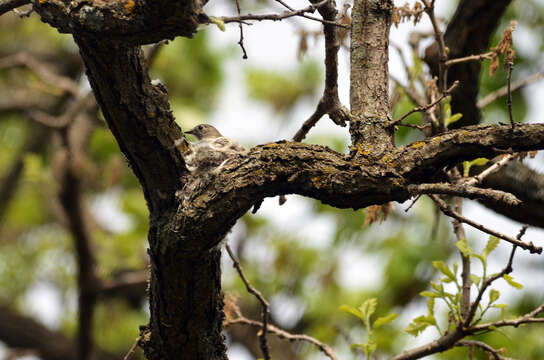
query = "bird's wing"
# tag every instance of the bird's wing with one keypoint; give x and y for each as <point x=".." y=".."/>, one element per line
<point x="225" y="144"/>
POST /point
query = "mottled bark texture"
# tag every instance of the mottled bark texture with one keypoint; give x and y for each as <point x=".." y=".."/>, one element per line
<point x="469" y="33"/>
<point x="134" y="22"/>
<point x="369" y="99"/>
<point x="189" y="215"/>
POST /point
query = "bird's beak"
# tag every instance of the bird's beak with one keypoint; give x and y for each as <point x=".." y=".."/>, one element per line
<point x="191" y="131"/>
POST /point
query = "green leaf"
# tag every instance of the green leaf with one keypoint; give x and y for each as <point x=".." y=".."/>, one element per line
<point x="384" y="320"/>
<point x="352" y="311"/>
<point x="475" y="279"/>
<point x="479" y="161"/>
<point x="430" y="306"/>
<point x="494" y="295"/>
<point x="465" y="248"/>
<point x="444" y="269"/>
<point x="511" y="282"/>
<point x="368" y="308"/>
<point x="454" y="118"/>
<point x="429" y="294"/>
<point x="419" y="324"/>
<point x="491" y="245"/>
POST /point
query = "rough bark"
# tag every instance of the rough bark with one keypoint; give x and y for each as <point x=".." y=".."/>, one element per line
<point x="189" y="216"/>
<point x="469" y="33"/>
<point x="370" y="136"/>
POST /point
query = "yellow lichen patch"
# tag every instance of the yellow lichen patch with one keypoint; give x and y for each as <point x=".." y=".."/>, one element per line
<point x="129" y="6"/>
<point x="363" y="149"/>
<point x="272" y="145"/>
<point x="418" y="144"/>
<point x="435" y="139"/>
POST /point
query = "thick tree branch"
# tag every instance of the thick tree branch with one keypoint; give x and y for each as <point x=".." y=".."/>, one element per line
<point x="369" y="99"/>
<point x="138" y="115"/>
<point x="209" y="207"/>
<point x="131" y="22"/>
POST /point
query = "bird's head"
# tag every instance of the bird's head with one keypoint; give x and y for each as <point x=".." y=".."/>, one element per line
<point x="204" y="131"/>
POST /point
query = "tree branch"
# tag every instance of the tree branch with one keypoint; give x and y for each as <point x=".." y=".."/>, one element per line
<point x="369" y="91"/>
<point x="8" y="5"/>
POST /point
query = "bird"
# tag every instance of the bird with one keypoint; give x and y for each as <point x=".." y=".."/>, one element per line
<point x="210" y="152"/>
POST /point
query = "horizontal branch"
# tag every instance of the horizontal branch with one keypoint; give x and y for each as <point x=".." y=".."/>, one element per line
<point x="209" y="205"/>
<point x="285" y="15"/>
<point x="8" y="5"/>
<point x="132" y="22"/>
<point x="529" y="318"/>
<point x="450" y="212"/>
<point x="488" y="99"/>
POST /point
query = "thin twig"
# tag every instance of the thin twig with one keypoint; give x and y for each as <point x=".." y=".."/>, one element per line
<point x="287" y="14"/>
<point x="465" y="275"/>
<point x="486" y="283"/>
<point x="490" y="170"/>
<point x="413" y="203"/>
<point x="132" y="349"/>
<point x="282" y="334"/>
<point x="265" y="306"/>
<point x="439" y="36"/>
<point x="474" y="343"/>
<point x="509" y="66"/>
<point x="488" y="99"/>
<point x="526" y="319"/>
<point x="462" y="190"/>
<point x="479" y="57"/>
<point x="450" y="212"/>
<point x="425" y="107"/>
<point x="241" y="41"/>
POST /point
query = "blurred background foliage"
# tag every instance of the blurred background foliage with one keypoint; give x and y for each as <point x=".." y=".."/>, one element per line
<point x="306" y="272"/>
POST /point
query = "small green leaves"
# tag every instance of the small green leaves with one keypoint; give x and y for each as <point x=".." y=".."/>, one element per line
<point x="511" y="282"/>
<point x="453" y="118"/>
<point x="352" y="311"/>
<point x="364" y="313"/>
<point x="465" y="248"/>
<point x="494" y="295"/>
<point x="490" y="246"/>
<point x="468" y="164"/>
<point x="439" y="265"/>
<point x="419" y="324"/>
<point x="384" y="320"/>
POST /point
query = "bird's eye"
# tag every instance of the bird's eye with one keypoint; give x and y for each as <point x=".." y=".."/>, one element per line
<point x="200" y="127"/>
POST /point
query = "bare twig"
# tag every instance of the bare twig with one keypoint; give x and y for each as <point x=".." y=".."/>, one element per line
<point x="479" y="57"/>
<point x="287" y="14"/>
<point x="282" y="334"/>
<point x="450" y="212"/>
<point x="462" y="190"/>
<point x="509" y="67"/>
<point x="425" y="107"/>
<point x="132" y="349"/>
<point x="439" y="36"/>
<point x="490" y="170"/>
<point x="494" y="353"/>
<point x="241" y="41"/>
<point x="265" y="306"/>
<point x="488" y="99"/>
<point x="413" y="203"/>
<point x="529" y="318"/>
<point x="8" y="5"/>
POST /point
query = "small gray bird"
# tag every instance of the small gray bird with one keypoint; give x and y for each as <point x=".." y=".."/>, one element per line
<point x="211" y="152"/>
